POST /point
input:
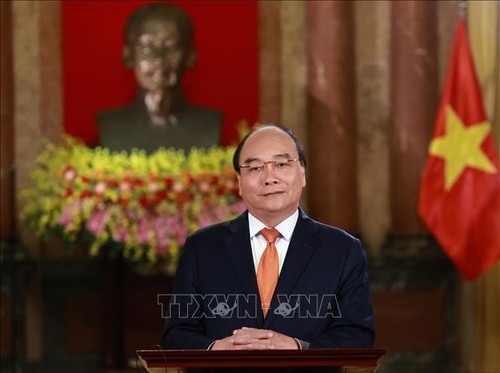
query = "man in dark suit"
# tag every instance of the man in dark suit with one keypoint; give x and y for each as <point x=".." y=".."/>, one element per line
<point x="238" y="288"/>
<point x="159" y="46"/>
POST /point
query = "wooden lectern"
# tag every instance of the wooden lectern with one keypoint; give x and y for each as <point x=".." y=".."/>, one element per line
<point x="310" y="361"/>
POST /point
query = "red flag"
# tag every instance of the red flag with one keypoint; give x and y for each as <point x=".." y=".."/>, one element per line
<point x="460" y="188"/>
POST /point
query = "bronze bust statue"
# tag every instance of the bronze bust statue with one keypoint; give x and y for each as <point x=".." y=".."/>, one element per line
<point x="159" y="46"/>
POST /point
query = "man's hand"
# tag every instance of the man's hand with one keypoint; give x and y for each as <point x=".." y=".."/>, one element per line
<point x="256" y="339"/>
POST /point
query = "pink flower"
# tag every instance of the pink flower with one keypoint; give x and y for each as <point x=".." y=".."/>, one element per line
<point x="97" y="222"/>
<point x="125" y="186"/>
<point x="69" y="174"/>
<point x="215" y="214"/>
<point x="143" y="230"/>
<point x="100" y="187"/>
<point x="229" y="185"/>
<point x="204" y="187"/>
<point x="152" y="187"/>
<point x="237" y="207"/>
<point x="167" y="227"/>
<point x="178" y="186"/>
<point x="121" y="233"/>
<point x="205" y="217"/>
<point x="67" y="214"/>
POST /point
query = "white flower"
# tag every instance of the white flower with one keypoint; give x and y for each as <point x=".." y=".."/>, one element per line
<point x="100" y="187"/>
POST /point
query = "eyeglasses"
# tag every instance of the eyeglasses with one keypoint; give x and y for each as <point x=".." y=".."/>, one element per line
<point x="257" y="167"/>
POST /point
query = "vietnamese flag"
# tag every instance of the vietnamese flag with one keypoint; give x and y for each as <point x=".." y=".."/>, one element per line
<point x="460" y="188"/>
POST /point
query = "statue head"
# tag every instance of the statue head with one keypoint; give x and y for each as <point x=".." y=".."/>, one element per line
<point x="159" y="46"/>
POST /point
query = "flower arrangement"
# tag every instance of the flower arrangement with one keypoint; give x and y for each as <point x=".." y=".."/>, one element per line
<point x="136" y="205"/>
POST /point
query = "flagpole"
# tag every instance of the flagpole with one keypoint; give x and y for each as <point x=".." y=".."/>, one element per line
<point x="462" y="8"/>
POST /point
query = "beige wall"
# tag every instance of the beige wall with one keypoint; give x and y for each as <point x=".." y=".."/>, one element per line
<point x="481" y="304"/>
<point x="37" y="116"/>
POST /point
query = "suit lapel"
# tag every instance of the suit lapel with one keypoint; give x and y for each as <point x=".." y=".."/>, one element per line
<point x="240" y="252"/>
<point x="300" y="251"/>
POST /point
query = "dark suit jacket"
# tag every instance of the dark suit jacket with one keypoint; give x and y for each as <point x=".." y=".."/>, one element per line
<point x="323" y="280"/>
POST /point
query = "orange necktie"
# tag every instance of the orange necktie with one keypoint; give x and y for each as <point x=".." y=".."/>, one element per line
<point x="267" y="272"/>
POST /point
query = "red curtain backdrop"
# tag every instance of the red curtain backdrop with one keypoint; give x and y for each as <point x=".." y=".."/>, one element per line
<point x="225" y="76"/>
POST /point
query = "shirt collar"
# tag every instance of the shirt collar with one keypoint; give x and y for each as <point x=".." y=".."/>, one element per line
<point x="285" y="228"/>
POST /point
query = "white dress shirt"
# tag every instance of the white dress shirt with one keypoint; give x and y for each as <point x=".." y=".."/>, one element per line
<point x="259" y="243"/>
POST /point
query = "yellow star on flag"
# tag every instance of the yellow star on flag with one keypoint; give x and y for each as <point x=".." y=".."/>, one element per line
<point x="460" y="147"/>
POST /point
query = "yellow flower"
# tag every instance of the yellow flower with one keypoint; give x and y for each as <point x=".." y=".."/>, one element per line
<point x="141" y="206"/>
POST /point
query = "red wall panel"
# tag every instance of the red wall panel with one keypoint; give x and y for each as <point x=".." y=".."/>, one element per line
<point x="225" y="76"/>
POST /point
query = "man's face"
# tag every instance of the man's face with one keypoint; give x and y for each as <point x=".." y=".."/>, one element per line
<point x="158" y="56"/>
<point x="271" y="193"/>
